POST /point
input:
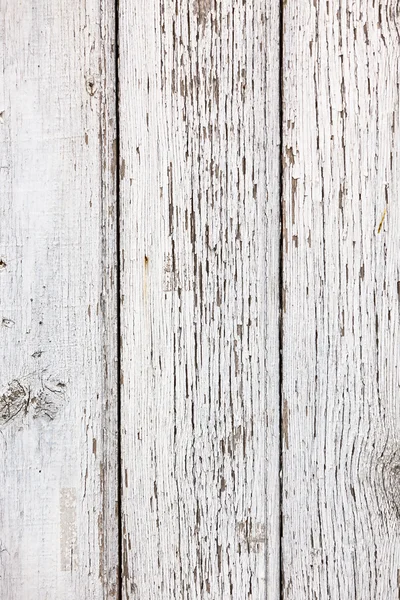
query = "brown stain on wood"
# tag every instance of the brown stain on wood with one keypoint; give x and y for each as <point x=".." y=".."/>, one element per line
<point x="294" y="190"/>
<point x="100" y="533"/>
<point x="202" y="9"/>
<point x="285" y="423"/>
<point x="290" y="155"/>
<point x="398" y="582"/>
<point x="284" y="292"/>
<point x="114" y="157"/>
<point x="382" y="220"/>
<point x="237" y="439"/>
<point x="145" y="276"/>
<point x="125" y="554"/>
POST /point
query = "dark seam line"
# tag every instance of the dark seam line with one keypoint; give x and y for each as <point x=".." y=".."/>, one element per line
<point x="281" y="268"/>
<point x="118" y="279"/>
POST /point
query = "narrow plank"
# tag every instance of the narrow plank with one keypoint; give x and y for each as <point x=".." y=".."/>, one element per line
<point x="199" y="114"/>
<point x="341" y="447"/>
<point x="58" y="301"/>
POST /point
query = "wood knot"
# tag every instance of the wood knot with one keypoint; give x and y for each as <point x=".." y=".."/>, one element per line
<point x="91" y="85"/>
<point x="37" y="395"/>
<point x="390" y="477"/>
<point x="7" y="322"/>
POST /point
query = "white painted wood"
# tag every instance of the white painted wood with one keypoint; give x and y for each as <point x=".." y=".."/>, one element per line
<point x="341" y="446"/>
<point x="199" y="116"/>
<point x="57" y="301"/>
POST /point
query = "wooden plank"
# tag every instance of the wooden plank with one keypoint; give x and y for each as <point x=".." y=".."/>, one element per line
<point x="341" y="442"/>
<point x="199" y="114"/>
<point x="58" y="300"/>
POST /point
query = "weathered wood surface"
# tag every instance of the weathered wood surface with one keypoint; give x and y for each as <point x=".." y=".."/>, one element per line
<point x="341" y="432"/>
<point x="199" y="118"/>
<point x="58" y="493"/>
<point x="200" y="241"/>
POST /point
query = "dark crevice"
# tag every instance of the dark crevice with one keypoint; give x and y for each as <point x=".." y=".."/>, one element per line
<point x="281" y="291"/>
<point x="118" y="278"/>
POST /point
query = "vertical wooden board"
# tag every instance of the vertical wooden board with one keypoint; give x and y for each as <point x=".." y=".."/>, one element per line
<point x="341" y="446"/>
<point x="199" y="115"/>
<point x="58" y="492"/>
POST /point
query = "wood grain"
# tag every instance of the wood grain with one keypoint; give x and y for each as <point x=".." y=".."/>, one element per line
<point x="199" y="117"/>
<point x="58" y="301"/>
<point x="341" y="447"/>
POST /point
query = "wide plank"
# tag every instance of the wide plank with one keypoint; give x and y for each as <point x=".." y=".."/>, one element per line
<point x="199" y="181"/>
<point x="340" y="411"/>
<point x="58" y="301"/>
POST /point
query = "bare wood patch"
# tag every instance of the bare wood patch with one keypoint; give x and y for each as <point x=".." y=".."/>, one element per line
<point x="252" y="533"/>
<point x="68" y="529"/>
<point x="202" y="9"/>
<point x="176" y="277"/>
<point x="35" y="395"/>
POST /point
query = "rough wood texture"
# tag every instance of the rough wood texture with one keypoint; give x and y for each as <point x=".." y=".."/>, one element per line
<point x="57" y="301"/>
<point x="200" y="244"/>
<point x="341" y="446"/>
<point x="199" y="300"/>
